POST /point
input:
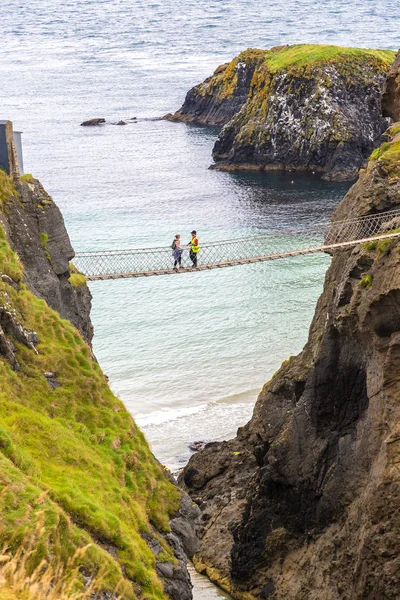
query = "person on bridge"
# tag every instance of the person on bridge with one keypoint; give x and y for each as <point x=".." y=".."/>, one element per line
<point x="177" y="251"/>
<point x="194" y="248"/>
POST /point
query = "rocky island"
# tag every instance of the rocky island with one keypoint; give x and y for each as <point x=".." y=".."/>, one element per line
<point x="302" y="107"/>
<point x="86" y="510"/>
<point x="303" y="503"/>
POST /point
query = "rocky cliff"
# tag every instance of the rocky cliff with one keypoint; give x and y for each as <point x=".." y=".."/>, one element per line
<point x="36" y="232"/>
<point x="302" y="107"/>
<point x="303" y="503"/>
<point x="85" y="509"/>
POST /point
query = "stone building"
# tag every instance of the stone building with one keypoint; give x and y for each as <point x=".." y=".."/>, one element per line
<point x="10" y="150"/>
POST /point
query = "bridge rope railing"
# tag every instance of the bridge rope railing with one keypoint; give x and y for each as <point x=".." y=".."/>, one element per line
<point x="160" y="260"/>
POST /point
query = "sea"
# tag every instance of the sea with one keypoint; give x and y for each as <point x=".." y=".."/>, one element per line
<point x="188" y="354"/>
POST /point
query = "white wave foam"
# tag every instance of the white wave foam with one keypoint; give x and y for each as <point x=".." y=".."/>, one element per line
<point x="165" y="415"/>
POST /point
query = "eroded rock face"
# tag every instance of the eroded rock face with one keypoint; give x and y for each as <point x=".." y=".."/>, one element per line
<point x="391" y="96"/>
<point x="183" y="541"/>
<point x="303" y="107"/>
<point x="221" y="96"/>
<point x="303" y="503"/>
<point x="37" y="233"/>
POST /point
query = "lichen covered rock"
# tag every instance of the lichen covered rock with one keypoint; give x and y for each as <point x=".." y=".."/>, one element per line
<point x="221" y="96"/>
<point x="308" y="107"/>
<point x="303" y="503"/>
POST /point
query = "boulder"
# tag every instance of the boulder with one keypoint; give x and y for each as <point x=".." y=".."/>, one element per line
<point x="93" y="122"/>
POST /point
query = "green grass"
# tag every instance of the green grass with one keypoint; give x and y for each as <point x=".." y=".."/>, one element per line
<point x="9" y="262"/>
<point x="44" y="238"/>
<point x="7" y="188"/>
<point x="77" y="279"/>
<point x="389" y="156"/>
<point x="383" y="246"/>
<point x="309" y="54"/>
<point x="394" y="129"/>
<point x="350" y="62"/>
<point x="75" y="456"/>
<point x="379" y="151"/>
<point x="367" y="281"/>
<point x="369" y="246"/>
<point x="28" y="178"/>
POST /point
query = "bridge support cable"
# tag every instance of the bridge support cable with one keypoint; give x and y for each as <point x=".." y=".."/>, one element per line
<point x="324" y="237"/>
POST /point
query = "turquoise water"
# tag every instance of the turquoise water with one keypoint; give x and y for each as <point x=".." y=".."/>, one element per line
<point x="187" y="354"/>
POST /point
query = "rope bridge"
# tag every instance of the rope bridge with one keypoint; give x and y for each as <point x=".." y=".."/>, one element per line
<point x="321" y="237"/>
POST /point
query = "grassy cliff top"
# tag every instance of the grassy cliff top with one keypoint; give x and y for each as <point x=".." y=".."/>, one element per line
<point x="300" y="55"/>
<point x="78" y="483"/>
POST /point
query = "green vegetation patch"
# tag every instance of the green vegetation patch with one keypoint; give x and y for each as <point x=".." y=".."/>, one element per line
<point x="367" y="281"/>
<point x="369" y="246"/>
<point x="77" y="280"/>
<point x="28" y="178"/>
<point x="9" y="261"/>
<point x="388" y="155"/>
<point x="44" y="238"/>
<point x="72" y="462"/>
<point x="265" y="63"/>
<point x="300" y="55"/>
<point x="383" y="246"/>
<point x="394" y="129"/>
<point x="7" y="188"/>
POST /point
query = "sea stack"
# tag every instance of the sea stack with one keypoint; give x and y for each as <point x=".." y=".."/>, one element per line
<point x="302" y="107"/>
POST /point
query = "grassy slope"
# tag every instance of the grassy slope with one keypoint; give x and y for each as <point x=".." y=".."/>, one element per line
<point x="73" y="467"/>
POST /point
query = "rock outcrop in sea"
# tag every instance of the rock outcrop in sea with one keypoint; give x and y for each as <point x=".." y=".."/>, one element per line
<point x="302" y="107"/>
<point x="86" y="510"/>
<point x="304" y="502"/>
